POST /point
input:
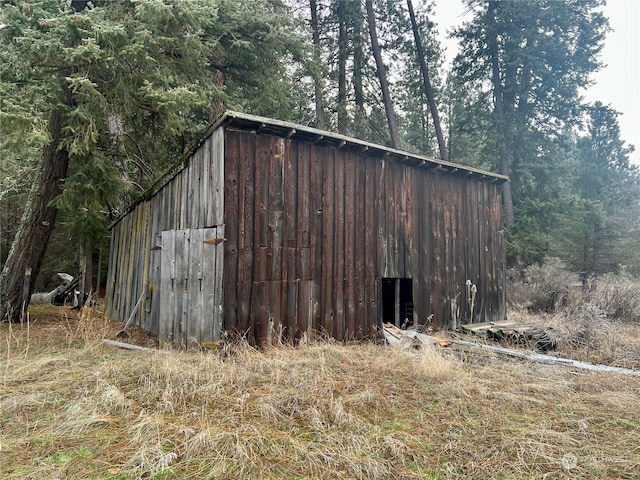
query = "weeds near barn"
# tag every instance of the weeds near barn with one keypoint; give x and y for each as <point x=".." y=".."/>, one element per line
<point x="71" y="407"/>
<point x="596" y="322"/>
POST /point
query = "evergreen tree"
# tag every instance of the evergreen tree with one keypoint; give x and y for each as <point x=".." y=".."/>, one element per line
<point x="530" y="59"/>
<point x="110" y="93"/>
<point x="604" y="223"/>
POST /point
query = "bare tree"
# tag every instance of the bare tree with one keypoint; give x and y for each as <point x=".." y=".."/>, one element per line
<point x="427" y="84"/>
<point x="382" y="75"/>
<point x="317" y="78"/>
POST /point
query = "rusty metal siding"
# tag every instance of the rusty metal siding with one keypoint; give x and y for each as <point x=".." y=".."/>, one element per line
<point x="312" y="229"/>
<point x="190" y="199"/>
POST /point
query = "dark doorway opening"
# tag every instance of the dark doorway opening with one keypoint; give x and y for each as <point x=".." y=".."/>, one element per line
<point x="397" y="301"/>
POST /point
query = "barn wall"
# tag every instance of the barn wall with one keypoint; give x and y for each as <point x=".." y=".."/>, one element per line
<point x="312" y="229"/>
<point x="191" y="200"/>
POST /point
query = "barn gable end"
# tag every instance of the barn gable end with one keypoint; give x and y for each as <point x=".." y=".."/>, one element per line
<point x="273" y="230"/>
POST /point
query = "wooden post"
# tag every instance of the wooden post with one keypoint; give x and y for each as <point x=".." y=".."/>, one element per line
<point x="396" y="308"/>
<point x="26" y="285"/>
<point x="99" y="273"/>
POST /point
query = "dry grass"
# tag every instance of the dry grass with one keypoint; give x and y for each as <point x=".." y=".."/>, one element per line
<point x="585" y="333"/>
<point x="73" y="408"/>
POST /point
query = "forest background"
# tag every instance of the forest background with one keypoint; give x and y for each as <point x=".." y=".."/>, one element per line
<point x="98" y="99"/>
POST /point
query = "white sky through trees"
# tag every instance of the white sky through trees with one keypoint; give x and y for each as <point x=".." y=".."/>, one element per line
<point x="617" y="84"/>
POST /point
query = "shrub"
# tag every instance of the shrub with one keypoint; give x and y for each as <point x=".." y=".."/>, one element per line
<point x="541" y="288"/>
<point x="618" y="295"/>
<point x="586" y="325"/>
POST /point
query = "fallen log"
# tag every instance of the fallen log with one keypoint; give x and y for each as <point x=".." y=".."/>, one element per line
<point x="127" y="346"/>
<point x="542" y="358"/>
<point x="542" y="338"/>
<point x="69" y="283"/>
<point x="409" y="338"/>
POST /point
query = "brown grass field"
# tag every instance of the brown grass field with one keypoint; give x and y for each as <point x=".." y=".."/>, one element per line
<point x="74" y="408"/>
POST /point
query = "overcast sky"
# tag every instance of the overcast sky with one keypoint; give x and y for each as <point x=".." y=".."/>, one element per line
<point x="617" y="84"/>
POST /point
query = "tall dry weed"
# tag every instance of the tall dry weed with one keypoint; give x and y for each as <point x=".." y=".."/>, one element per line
<point x="542" y="288"/>
<point x="618" y="296"/>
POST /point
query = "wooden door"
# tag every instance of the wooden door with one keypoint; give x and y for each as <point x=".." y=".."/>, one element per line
<point x="191" y="286"/>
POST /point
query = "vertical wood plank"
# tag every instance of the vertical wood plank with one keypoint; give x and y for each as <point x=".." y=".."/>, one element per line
<point x="381" y="233"/>
<point x="349" y="225"/>
<point x="316" y="252"/>
<point x="232" y="203"/>
<point x="276" y="207"/>
<point x="338" y="251"/>
<point x="209" y="284"/>
<point x="218" y="180"/>
<point x="167" y="287"/>
<point x="436" y="255"/>
<point x="303" y="266"/>
<point x="246" y="211"/>
<point x="260" y="311"/>
<point x="392" y="220"/>
<point x="192" y="195"/>
<point x="276" y="325"/>
<point x="205" y="173"/>
<point x="293" y="319"/>
<point x="218" y="285"/>
<point x="359" y="248"/>
<point x="400" y="233"/>
<point x="306" y="308"/>
<point x="372" y="214"/>
<point x="290" y="187"/>
<point x="262" y="191"/>
<point x="194" y="287"/>
<point x="179" y="320"/>
<point x="328" y="213"/>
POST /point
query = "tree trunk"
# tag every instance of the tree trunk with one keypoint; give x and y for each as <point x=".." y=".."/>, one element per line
<point x="317" y="78"/>
<point x="217" y="106"/>
<point x="30" y="243"/>
<point x="342" y="68"/>
<point x="382" y="75"/>
<point x="358" y="90"/>
<point x="506" y="144"/>
<point x="442" y="146"/>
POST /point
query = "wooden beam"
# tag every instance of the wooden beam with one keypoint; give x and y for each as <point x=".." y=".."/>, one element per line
<point x="128" y="346"/>
<point x="541" y="358"/>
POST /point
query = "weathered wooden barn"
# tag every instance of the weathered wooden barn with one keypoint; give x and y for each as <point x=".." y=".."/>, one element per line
<point x="273" y="230"/>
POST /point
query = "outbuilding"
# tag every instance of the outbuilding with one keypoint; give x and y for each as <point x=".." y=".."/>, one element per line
<point x="275" y="231"/>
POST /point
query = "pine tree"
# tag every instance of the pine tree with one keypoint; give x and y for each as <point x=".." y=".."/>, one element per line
<point x="607" y="186"/>
<point x="110" y="92"/>
<point x="536" y="56"/>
